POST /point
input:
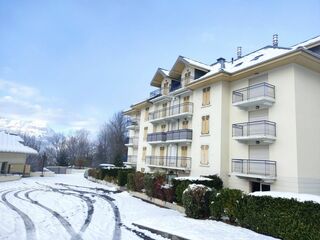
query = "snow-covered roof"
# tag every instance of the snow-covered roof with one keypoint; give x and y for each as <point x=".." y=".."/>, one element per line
<point x="196" y="64"/>
<point x="13" y="144"/>
<point x="307" y="42"/>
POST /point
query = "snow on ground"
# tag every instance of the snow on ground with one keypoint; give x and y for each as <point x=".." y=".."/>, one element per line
<point x="82" y="209"/>
<point x="301" y="197"/>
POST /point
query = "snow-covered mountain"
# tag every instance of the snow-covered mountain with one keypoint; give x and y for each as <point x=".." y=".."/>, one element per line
<point x="33" y="128"/>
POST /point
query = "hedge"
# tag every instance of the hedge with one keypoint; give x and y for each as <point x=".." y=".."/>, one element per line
<point x="279" y="217"/>
<point x="179" y="185"/>
<point x="196" y="199"/>
<point x="225" y="204"/>
<point x="122" y="177"/>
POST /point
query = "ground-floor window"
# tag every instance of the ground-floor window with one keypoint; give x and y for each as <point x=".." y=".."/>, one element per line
<point x="257" y="187"/>
<point x="3" y="167"/>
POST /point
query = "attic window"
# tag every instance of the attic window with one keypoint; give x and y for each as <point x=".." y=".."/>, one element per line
<point x="238" y="64"/>
<point x="257" y="57"/>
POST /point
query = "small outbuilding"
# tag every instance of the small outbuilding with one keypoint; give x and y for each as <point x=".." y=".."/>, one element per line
<point x="13" y="155"/>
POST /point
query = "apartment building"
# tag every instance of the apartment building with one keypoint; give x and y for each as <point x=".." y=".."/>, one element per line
<point x="253" y="120"/>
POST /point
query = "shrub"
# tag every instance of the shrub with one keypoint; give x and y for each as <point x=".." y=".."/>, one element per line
<point x="217" y="182"/>
<point x="122" y="177"/>
<point x="196" y="199"/>
<point x="158" y="182"/>
<point x="280" y="218"/>
<point x="149" y="180"/>
<point x="179" y="189"/>
<point x="225" y="204"/>
<point x="138" y="181"/>
<point x="130" y="182"/>
<point x="168" y="193"/>
<point x="92" y="172"/>
<point x="180" y="184"/>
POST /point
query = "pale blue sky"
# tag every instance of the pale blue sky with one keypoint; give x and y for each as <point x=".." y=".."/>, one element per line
<point x="74" y="63"/>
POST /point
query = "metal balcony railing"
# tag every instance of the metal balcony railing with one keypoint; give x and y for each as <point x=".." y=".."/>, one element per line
<point x="169" y="162"/>
<point x="179" y="134"/>
<point x="132" y="122"/>
<point x="260" y="128"/>
<point x="254" y="91"/>
<point x="171" y="111"/>
<point x="155" y="93"/>
<point x="157" y="137"/>
<point x="265" y="168"/>
<point x="132" y="159"/>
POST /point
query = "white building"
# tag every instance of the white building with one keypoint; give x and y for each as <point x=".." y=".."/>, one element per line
<point x="253" y="120"/>
<point x="13" y="156"/>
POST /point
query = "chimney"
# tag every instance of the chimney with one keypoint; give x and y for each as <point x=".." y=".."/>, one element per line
<point x="221" y="61"/>
<point x="275" y="40"/>
<point x="239" y="52"/>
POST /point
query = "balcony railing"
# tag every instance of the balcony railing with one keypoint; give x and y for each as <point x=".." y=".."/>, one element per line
<point x="265" y="168"/>
<point x="258" y="96"/>
<point x="257" y="90"/>
<point x="132" y="122"/>
<point x="255" y="128"/>
<point x="175" y="135"/>
<point x="132" y="159"/>
<point x="131" y="141"/>
<point x="155" y="93"/>
<point x="157" y="137"/>
<point x="173" y="162"/>
<point x="168" y="112"/>
<point x="182" y="134"/>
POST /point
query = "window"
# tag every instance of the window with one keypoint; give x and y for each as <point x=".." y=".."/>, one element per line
<point x="187" y="76"/>
<point x="163" y="128"/>
<point x="164" y="109"/>
<point x="204" y="155"/>
<point x="206" y="96"/>
<point x="184" y="154"/>
<point x="144" y="151"/>
<point x="186" y="101"/>
<point x="146" y="114"/>
<point x="145" y="133"/>
<point x="185" y="124"/>
<point x="205" y="125"/>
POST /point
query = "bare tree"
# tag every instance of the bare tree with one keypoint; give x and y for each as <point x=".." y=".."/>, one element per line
<point x="111" y="138"/>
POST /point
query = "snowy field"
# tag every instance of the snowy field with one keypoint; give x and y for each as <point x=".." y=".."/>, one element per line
<point x="71" y="207"/>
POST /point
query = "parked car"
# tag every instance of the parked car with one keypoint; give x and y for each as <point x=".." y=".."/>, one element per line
<point x="106" y="165"/>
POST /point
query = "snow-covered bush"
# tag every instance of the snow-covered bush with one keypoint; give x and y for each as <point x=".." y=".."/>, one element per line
<point x="181" y="183"/>
<point x="196" y="199"/>
<point x="279" y="217"/>
<point x="225" y="204"/>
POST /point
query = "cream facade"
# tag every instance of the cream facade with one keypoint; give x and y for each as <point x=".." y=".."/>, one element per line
<point x="254" y="121"/>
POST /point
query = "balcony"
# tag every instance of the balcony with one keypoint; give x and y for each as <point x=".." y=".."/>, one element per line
<point x="175" y="136"/>
<point x="169" y="162"/>
<point x="183" y="110"/>
<point x="182" y="135"/>
<point x="155" y="93"/>
<point x="131" y="160"/>
<point x="257" y="132"/>
<point x="131" y="142"/>
<point x="251" y="168"/>
<point x="132" y="123"/>
<point x="154" y="138"/>
<point x="258" y="96"/>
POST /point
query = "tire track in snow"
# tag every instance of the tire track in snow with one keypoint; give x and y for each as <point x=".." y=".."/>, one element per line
<point x="29" y="225"/>
<point x="61" y="219"/>
<point x="87" y="200"/>
<point x="115" y="211"/>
